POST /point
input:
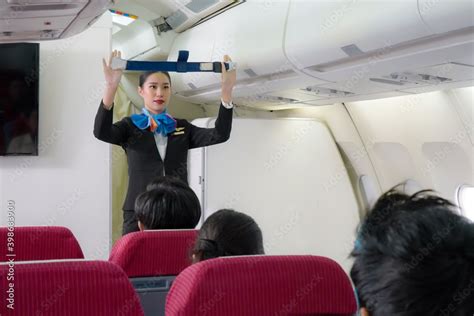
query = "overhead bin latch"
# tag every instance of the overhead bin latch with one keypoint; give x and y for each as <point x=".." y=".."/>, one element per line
<point x="416" y="78"/>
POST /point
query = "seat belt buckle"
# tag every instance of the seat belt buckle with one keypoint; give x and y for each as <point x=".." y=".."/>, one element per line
<point x="217" y="66"/>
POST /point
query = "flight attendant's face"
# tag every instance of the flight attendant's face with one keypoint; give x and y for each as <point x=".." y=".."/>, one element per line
<point x="156" y="92"/>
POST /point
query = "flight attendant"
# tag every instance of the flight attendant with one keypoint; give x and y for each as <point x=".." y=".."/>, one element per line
<point x="155" y="143"/>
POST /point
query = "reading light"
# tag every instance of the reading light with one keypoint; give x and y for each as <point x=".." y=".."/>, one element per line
<point x="327" y="92"/>
<point x="272" y="98"/>
<point x="122" y="18"/>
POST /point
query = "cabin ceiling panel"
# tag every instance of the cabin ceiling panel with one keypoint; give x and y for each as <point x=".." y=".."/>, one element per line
<point x="451" y="71"/>
<point x="40" y="9"/>
<point x="183" y="14"/>
<point x="250" y="89"/>
<point x="356" y="87"/>
<point x="444" y="86"/>
<point x="164" y="8"/>
<point x="296" y="94"/>
<point x="354" y="98"/>
<point x="47" y="19"/>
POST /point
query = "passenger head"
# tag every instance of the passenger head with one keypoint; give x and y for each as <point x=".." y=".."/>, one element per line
<point x="414" y="256"/>
<point x="228" y="233"/>
<point x="155" y="89"/>
<point x="166" y="181"/>
<point x="170" y="204"/>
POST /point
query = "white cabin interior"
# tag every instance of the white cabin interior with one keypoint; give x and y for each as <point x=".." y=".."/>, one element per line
<point x="388" y="86"/>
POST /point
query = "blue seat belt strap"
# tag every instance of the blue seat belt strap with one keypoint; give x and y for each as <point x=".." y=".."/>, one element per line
<point x="181" y="65"/>
<point x="182" y="61"/>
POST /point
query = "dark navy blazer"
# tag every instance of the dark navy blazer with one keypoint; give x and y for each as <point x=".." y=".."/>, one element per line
<point x="144" y="161"/>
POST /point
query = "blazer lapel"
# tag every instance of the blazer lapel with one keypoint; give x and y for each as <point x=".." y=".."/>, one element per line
<point x="175" y="142"/>
<point x="150" y="139"/>
<point x="171" y="147"/>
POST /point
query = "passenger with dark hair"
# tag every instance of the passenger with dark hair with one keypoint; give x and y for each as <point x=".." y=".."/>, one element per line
<point x="169" y="204"/>
<point x="414" y="256"/>
<point x="166" y="181"/>
<point x="156" y="143"/>
<point x="228" y="233"/>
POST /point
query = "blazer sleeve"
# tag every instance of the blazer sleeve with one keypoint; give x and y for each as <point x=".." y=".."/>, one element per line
<point x="104" y="130"/>
<point x="200" y="137"/>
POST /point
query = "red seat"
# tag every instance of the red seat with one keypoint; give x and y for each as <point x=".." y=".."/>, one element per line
<point x="67" y="288"/>
<point x="262" y="285"/>
<point x="154" y="252"/>
<point x="39" y="243"/>
<point x="152" y="259"/>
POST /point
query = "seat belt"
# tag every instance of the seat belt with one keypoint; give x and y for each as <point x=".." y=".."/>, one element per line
<point x="181" y="65"/>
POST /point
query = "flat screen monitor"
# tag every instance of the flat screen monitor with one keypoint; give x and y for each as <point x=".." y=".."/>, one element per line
<point x="19" y="74"/>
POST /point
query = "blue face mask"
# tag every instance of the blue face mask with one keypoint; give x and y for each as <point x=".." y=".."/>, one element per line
<point x="357" y="301"/>
<point x="162" y="123"/>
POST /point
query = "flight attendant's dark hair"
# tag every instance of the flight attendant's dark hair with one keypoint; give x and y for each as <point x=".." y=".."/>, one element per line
<point x="144" y="76"/>
<point x="228" y="233"/>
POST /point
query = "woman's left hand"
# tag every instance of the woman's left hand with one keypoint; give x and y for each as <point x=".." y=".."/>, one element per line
<point x="229" y="77"/>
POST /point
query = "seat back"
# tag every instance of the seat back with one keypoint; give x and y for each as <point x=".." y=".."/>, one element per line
<point x="30" y="243"/>
<point x="72" y="288"/>
<point x="152" y="259"/>
<point x="262" y="285"/>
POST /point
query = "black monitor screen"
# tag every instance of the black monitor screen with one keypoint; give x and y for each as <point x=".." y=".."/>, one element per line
<point x="19" y="73"/>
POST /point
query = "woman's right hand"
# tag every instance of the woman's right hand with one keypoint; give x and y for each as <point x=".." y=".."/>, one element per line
<point x="112" y="76"/>
<point x="112" y="80"/>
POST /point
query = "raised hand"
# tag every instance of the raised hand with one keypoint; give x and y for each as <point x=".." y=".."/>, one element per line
<point x="112" y="77"/>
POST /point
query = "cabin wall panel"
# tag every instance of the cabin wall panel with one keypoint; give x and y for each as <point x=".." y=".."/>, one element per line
<point x="68" y="183"/>
<point x="432" y="132"/>
<point x="353" y="150"/>
<point x="354" y="154"/>
<point x="463" y="100"/>
<point x="288" y="174"/>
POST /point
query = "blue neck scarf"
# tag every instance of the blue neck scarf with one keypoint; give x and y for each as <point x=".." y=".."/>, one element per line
<point x="162" y="123"/>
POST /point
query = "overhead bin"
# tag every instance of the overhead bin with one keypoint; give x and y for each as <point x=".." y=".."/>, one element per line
<point x="200" y="50"/>
<point x="256" y="46"/>
<point x="340" y="30"/>
<point x="446" y="15"/>
<point x="340" y="35"/>
<point x="370" y="47"/>
<point x="183" y="14"/>
<point x="141" y="41"/>
<point x="343" y="48"/>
